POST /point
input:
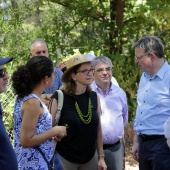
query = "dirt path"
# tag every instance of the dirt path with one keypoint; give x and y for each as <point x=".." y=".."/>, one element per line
<point x="130" y="163"/>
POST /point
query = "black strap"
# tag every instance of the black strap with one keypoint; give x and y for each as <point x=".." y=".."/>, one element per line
<point x="49" y="164"/>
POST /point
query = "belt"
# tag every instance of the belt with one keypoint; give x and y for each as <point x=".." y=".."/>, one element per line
<point x="151" y="137"/>
<point x="105" y="146"/>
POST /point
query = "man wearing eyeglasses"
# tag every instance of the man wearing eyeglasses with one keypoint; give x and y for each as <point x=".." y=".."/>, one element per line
<point x="114" y="109"/>
<point x="153" y="99"/>
<point x="7" y="155"/>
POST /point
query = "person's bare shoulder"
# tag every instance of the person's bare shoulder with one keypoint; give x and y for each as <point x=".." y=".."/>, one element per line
<point x="31" y="105"/>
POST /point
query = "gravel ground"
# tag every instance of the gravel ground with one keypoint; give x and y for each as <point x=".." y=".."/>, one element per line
<point x="130" y="163"/>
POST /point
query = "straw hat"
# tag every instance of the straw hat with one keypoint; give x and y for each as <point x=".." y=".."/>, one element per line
<point x="72" y="62"/>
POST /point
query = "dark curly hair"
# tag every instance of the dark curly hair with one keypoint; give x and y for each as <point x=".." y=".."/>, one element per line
<point x="26" y="77"/>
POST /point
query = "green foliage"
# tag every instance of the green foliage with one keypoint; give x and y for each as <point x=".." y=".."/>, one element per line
<point x="106" y="27"/>
<point x="7" y="101"/>
<point x="128" y="76"/>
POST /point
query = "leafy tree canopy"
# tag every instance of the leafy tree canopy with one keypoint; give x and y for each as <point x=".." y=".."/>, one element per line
<point x="105" y="27"/>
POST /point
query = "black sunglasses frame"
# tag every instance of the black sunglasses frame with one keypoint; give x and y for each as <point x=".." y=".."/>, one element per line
<point x="2" y="72"/>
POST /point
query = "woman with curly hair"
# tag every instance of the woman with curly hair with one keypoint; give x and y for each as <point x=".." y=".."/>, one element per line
<point x="33" y="129"/>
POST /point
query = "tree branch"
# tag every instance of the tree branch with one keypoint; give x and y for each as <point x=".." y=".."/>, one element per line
<point x="87" y="12"/>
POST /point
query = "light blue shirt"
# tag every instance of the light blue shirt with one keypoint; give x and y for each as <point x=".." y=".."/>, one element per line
<point x="114" y="112"/>
<point x="153" y="99"/>
<point x="56" y="83"/>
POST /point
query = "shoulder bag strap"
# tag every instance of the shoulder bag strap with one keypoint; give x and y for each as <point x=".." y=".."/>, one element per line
<point x="60" y="105"/>
<point x="49" y="164"/>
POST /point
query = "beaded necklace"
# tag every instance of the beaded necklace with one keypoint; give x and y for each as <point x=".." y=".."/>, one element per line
<point x="84" y="118"/>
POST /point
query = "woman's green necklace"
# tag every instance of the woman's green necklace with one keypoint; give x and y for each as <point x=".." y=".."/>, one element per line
<point x="84" y="118"/>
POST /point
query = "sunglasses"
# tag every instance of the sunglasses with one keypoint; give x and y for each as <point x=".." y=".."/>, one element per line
<point x="2" y="72"/>
<point x="86" y="71"/>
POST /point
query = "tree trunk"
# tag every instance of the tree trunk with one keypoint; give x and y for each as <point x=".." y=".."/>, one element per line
<point x="116" y="25"/>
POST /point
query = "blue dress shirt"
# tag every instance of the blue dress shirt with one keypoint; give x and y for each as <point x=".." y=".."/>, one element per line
<point x="153" y="99"/>
<point x="56" y="83"/>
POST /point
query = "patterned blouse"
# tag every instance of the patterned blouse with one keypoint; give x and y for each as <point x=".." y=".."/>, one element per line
<point x="30" y="158"/>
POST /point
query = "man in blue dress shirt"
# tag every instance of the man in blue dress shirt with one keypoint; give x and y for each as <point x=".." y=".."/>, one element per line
<point x="8" y="160"/>
<point x="153" y="99"/>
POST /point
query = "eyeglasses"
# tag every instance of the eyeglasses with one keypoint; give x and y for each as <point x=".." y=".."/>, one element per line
<point x="86" y="71"/>
<point x="140" y="57"/>
<point x="100" y="70"/>
<point x="3" y="72"/>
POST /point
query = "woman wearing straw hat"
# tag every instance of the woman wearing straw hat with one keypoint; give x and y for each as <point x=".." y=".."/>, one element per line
<point x="81" y="112"/>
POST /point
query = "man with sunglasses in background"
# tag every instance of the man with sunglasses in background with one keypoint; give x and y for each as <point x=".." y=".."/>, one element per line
<point x="114" y="110"/>
<point x="153" y="99"/>
<point x="8" y="159"/>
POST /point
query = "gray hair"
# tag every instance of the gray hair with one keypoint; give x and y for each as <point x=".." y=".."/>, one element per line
<point x="151" y="44"/>
<point x="101" y="59"/>
<point x="37" y="41"/>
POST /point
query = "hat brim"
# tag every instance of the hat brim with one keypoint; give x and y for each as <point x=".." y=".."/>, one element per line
<point x="5" y="60"/>
<point x="66" y="73"/>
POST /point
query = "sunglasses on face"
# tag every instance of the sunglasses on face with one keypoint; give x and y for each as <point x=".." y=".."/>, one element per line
<point x="86" y="71"/>
<point x="2" y="72"/>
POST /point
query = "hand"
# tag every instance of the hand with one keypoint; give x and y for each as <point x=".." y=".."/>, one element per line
<point x="62" y="65"/>
<point x="61" y="132"/>
<point x="168" y="143"/>
<point x="46" y="98"/>
<point x="101" y="164"/>
<point x="45" y="101"/>
<point x="57" y="138"/>
<point x="135" y="150"/>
